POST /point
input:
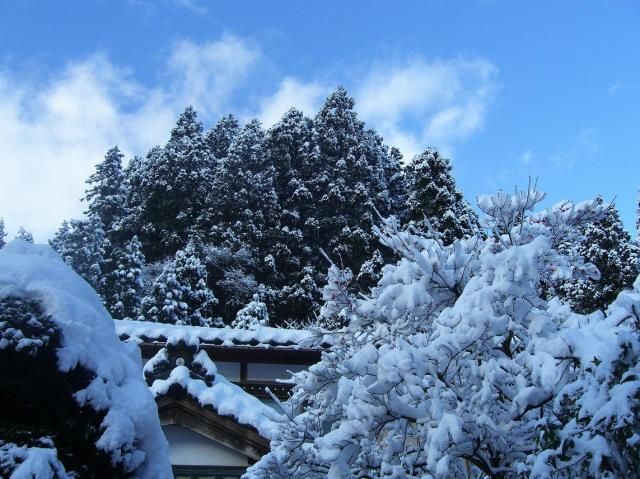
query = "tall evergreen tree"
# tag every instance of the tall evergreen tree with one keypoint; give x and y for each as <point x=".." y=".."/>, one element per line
<point x="220" y="137"/>
<point x="80" y="244"/>
<point x="609" y="247"/>
<point x="396" y="183"/>
<point x="3" y="234"/>
<point x="434" y="195"/>
<point x="350" y="165"/>
<point x="174" y="186"/>
<point x="242" y="206"/>
<point x="24" y="235"/>
<point x="135" y="173"/>
<point x="287" y="145"/>
<point x="180" y="294"/>
<point x="107" y="192"/>
<point x="122" y="288"/>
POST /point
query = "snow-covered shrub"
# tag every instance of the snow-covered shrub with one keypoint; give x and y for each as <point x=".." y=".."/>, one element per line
<point x="252" y="316"/>
<point x="72" y="395"/>
<point x="455" y="366"/>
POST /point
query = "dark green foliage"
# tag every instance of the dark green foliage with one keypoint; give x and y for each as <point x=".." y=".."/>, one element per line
<point x="173" y="186"/>
<point x="609" y="247"/>
<point x="353" y="173"/>
<point x="37" y="400"/>
<point x="107" y="192"/>
<point x="122" y="288"/>
<point x="433" y="194"/>
<point x="80" y="243"/>
<point x="220" y="137"/>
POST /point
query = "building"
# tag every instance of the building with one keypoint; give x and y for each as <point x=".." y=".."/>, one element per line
<point x="217" y="388"/>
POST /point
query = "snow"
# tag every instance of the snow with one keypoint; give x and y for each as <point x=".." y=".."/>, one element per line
<point x="224" y="397"/>
<point x="132" y="435"/>
<point x="261" y="336"/>
<point x="456" y="366"/>
<point x="31" y="462"/>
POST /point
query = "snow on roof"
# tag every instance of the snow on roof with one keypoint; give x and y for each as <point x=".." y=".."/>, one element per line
<point x="224" y="397"/>
<point x="266" y="337"/>
<point x="89" y="340"/>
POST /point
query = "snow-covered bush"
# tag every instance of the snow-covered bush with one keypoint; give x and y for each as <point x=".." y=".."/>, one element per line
<point x="73" y="400"/>
<point x="456" y="367"/>
<point x="252" y="316"/>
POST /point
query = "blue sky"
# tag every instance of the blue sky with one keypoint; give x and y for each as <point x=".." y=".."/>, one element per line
<point x="507" y="89"/>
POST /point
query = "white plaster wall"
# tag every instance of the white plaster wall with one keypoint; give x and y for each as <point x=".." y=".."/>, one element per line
<point x="188" y="448"/>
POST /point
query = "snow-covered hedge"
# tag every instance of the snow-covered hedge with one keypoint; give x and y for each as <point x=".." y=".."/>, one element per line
<point x="71" y="390"/>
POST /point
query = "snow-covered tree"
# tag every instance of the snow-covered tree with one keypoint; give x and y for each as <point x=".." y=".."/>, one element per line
<point x="107" y="192"/>
<point x="252" y="316"/>
<point x="242" y="205"/>
<point x="347" y="180"/>
<point x="242" y="211"/>
<point x="433" y="195"/>
<point x="3" y="234"/>
<point x="287" y="144"/>
<point x="80" y="243"/>
<point x="609" y="247"/>
<point x="339" y="303"/>
<point x="593" y="426"/>
<point x="24" y="235"/>
<point x="180" y="294"/>
<point x="122" y="288"/>
<point x="454" y="366"/>
<point x="174" y="184"/>
<point x="220" y="137"/>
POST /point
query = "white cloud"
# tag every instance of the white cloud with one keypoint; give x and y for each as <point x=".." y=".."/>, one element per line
<point x="192" y="5"/>
<point x="306" y="97"/>
<point x="206" y="75"/>
<point x="54" y="130"/>
<point x="424" y="104"/>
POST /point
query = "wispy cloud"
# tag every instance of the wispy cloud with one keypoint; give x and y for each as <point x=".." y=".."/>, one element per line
<point x="583" y="148"/>
<point x="54" y="130"/>
<point x="414" y="105"/>
<point x="306" y="97"/>
<point x="526" y="158"/>
<point x="152" y="8"/>
<point x="428" y="103"/>
<point x="193" y="5"/>
<point x="205" y="75"/>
